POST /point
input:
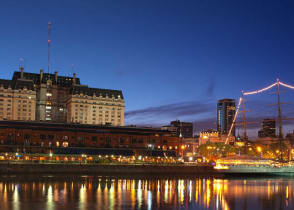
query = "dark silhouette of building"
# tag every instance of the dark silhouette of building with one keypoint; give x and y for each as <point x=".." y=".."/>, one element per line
<point x="183" y="129"/>
<point x="225" y="115"/>
<point x="268" y="128"/>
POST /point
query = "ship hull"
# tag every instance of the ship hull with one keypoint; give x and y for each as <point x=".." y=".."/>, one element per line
<point x="288" y="171"/>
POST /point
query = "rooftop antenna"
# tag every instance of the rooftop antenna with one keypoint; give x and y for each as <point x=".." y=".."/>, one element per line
<point x="21" y="68"/>
<point x="21" y="63"/>
<point x="49" y="41"/>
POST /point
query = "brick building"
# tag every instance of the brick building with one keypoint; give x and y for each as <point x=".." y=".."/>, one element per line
<point x="43" y="136"/>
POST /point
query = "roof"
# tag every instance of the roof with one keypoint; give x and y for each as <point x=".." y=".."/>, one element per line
<point x="61" y="80"/>
<point x="226" y="100"/>
<point x="20" y="84"/>
<point x="17" y="84"/>
<point x="34" y="125"/>
<point x="97" y="91"/>
<point x="29" y="81"/>
<point x="5" y="83"/>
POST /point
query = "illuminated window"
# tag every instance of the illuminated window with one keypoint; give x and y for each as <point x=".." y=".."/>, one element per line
<point x="57" y="143"/>
<point x="64" y="144"/>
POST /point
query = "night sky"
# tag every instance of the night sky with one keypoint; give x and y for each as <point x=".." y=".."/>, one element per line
<point x="172" y="59"/>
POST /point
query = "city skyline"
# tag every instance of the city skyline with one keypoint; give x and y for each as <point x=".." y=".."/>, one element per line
<point x="177" y="78"/>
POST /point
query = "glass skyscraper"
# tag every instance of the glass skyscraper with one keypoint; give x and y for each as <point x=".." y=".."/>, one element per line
<point x="225" y="115"/>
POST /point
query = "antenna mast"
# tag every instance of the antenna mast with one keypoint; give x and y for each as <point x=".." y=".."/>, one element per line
<point x="20" y="62"/>
<point x="280" y="119"/>
<point x="49" y="41"/>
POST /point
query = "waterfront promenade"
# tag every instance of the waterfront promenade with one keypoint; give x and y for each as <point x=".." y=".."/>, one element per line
<point x="17" y="167"/>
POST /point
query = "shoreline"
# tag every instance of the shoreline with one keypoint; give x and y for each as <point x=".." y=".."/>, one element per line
<point x="104" y="169"/>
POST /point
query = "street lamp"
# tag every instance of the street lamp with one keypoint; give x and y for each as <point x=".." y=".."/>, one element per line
<point x="259" y="149"/>
<point x="183" y="147"/>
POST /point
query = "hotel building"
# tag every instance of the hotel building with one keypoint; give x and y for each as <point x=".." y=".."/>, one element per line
<point x="52" y="98"/>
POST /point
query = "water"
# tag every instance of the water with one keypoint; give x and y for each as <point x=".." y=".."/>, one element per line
<point x="89" y="192"/>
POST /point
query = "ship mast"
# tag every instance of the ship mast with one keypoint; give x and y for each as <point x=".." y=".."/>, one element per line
<point x="280" y="118"/>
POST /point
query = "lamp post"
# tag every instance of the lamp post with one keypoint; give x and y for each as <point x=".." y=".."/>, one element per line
<point x="183" y="148"/>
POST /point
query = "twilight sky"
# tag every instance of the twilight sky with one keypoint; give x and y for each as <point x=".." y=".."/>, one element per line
<point x="172" y="59"/>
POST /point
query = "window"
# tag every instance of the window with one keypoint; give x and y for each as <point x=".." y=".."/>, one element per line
<point x="65" y="144"/>
<point x="65" y="137"/>
<point x="121" y="140"/>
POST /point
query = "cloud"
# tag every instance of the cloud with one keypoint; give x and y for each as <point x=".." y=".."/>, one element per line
<point x="163" y="114"/>
<point x="203" y="115"/>
<point x="210" y="87"/>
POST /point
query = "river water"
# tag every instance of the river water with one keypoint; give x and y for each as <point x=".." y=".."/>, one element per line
<point x="91" y="192"/>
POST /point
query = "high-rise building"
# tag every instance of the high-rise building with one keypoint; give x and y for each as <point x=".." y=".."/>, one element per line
<point x="268" y="128"/>
<point x="225" y="115"/>
<point x="183" y="129"/>
<point x="54" y="98"/>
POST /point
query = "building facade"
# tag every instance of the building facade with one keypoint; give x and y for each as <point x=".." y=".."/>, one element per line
<point x="53" y="98"/>
<point x="39" y="136"/>
<point x="209" y="135"/>
<point x="268" y="128"/>
<point x="182" y="129"/>
<point x="225" y="115"/>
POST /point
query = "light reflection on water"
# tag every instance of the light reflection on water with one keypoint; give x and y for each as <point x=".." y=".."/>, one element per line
<point x="117" y="193"/>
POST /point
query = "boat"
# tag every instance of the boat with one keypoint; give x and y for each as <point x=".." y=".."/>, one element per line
<point x="254" y="166"/>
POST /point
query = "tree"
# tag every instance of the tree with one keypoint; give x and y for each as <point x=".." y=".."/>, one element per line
<point x="212" y="151"/>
